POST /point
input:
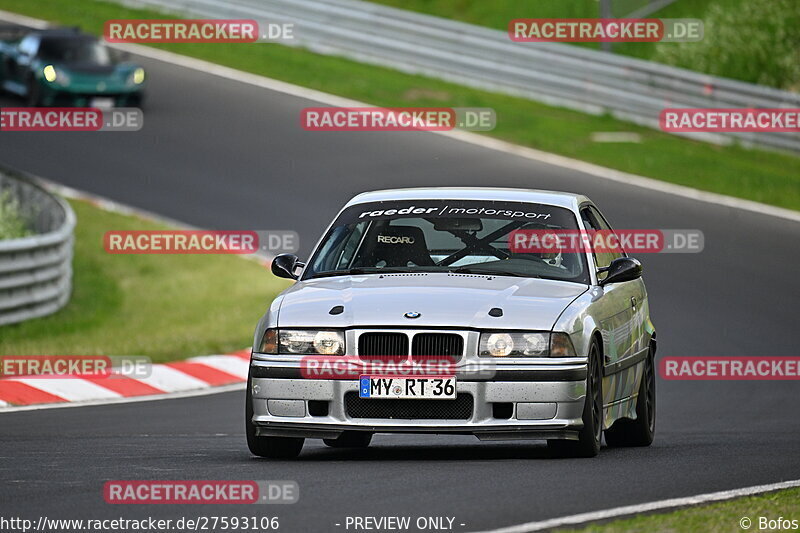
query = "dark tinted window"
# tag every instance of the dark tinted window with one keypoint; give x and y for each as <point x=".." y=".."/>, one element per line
<point x="74" y="50"/>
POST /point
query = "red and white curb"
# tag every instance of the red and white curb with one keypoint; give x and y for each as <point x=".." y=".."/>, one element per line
<point x="197" y="375"/>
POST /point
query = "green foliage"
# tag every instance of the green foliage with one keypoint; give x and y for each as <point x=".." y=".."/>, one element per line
<point x="12" y="223"/>
<point x="758" y="41"/>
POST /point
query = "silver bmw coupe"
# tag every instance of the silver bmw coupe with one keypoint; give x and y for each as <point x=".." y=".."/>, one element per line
<point x="418" y="313"/>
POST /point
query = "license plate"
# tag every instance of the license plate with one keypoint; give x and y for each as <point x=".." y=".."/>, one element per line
<point x="104" y="103"/>
<point x="408" y="388"/>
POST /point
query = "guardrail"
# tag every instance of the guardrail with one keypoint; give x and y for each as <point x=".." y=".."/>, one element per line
<point x="558" y="74"/>
<point x="36" y="271"/>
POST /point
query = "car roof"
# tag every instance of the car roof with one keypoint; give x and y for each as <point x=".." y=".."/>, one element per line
<point x="561" y="199"/>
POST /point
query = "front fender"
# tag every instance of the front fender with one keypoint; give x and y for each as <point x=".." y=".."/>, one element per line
<point x="578" y="322"/>
<point x="269" y="320"/>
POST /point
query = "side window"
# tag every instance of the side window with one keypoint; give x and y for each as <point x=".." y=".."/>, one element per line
<point x="29" y="45"/>
<point x="593" y="220"/>
<point x="603" y="224"/>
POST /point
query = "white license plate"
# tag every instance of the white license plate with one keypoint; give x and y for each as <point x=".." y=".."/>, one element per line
<point x="103" y="103"/>
<point x="405" y="388"/>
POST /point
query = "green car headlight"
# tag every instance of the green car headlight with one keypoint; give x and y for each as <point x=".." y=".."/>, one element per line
<point x="137" y="76"/>
<point x="303" y="342"/>
<point x="49" y="73"/>
<point x="53" y="75"/>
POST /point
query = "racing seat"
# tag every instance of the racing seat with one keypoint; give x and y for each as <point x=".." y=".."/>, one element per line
<point x="396" y="246"/>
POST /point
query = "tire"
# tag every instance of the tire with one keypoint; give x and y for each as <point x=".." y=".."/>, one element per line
<point x="34" y="96"/>
<point x="640" y="432"/>
<point x="589" y="437"/>
<point x="350" y="439"/>
<point x="136" y="100"/>
<point x="271" y="447"/>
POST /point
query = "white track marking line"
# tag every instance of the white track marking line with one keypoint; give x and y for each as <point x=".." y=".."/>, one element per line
<point x="660" y="505"/>
<point x="226" y="363"/>
<point x="463" y="136"/>
<point x="71" y="389"/>
<point x="132" y="399"/>
<point x="170" y="379"/>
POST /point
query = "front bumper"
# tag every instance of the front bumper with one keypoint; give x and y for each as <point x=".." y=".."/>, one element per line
<point x="538" y="403"/>
<point x="82" y="96"/>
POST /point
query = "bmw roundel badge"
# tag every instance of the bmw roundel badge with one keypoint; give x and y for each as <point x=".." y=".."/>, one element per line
<point x="412" y="314"/>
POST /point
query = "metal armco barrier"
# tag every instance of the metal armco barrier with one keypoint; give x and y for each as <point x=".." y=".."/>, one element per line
<point x="553" y="73"/>
<point x="36" y="271"/>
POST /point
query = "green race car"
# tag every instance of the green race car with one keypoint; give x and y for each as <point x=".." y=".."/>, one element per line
<point x="64" y="67"/>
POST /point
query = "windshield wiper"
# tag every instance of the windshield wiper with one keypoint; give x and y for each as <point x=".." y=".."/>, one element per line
<point x="487" y="271"/>
<point x="359" y="270"/>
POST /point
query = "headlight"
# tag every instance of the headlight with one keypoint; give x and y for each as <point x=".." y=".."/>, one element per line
<point x="513" y="344"/>
<point x="52" y="75"/>
<point x="49" y="73"/>
<point x="525" y="344"/>
<point x="303" y="342"/>
<point x="136" y="77"/>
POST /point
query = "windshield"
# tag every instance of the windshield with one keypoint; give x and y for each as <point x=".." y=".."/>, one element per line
<point x="72" y="50"/>
<point x="444" y="236"/>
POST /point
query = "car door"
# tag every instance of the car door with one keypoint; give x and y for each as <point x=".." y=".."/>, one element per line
<point x="636" y="294"/>
<point x="615" y="313"/>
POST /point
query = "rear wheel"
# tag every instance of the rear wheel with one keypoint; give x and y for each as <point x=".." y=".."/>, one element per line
<point x="272" y="447"/>
<point x="588" y="443"/>
<point x="350" y="439"/>
<point x="639" y="432"/>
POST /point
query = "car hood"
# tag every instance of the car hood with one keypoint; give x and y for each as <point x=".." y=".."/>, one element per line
<point x="90" y="69"/>
<point x="441" y="299"/>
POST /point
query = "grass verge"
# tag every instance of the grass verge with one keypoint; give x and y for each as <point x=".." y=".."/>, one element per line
<point x="163" y="306"/>
<point x="722" y="517"/>
<point x="768" y="177"/>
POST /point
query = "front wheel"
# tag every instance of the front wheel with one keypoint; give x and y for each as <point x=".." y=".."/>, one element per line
<point x="639" y="432"/>
<point x="588" y="443"/>
<point x="34" y="96"/>
<point x="271" y="447"/>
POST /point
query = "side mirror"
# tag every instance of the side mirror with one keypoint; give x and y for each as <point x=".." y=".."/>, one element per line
<point x="284" y="264"/>
<point x="621" y="269"/>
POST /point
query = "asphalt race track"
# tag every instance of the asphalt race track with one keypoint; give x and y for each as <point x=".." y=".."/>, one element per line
<point x="226" y="155"/>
